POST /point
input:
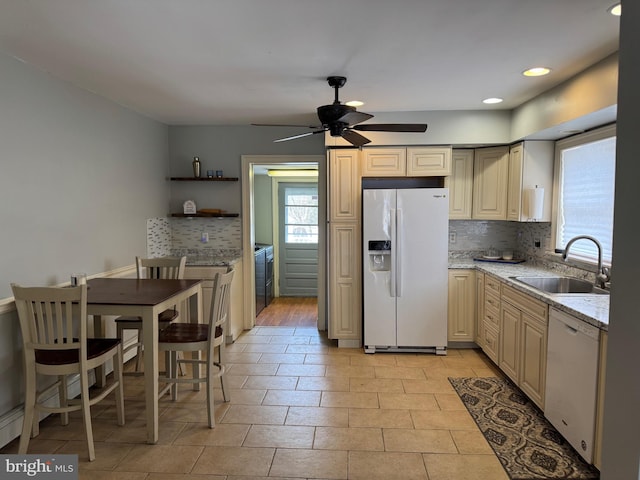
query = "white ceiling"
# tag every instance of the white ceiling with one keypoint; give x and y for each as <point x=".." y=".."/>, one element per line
<point x="236" y="62"/>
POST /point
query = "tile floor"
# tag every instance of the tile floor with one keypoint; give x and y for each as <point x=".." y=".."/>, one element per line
<point x="300" y="409"/>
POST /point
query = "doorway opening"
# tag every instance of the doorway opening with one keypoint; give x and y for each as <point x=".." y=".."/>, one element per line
<point x="293" y="221"/>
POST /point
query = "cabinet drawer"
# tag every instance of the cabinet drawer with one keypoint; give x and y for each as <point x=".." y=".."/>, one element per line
<point x="525" y="303"/>
<point x="492" y="285"/>
<point x="490" y="346"/>
<point x="491" y="308"/>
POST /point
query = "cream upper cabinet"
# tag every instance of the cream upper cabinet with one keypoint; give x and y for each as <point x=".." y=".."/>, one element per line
<point x="460" y="184"/>
<point x="384" y="162"/>
<point x="490" y="177"/>
<point x="344" y="185"/>
<point x="530" y="165"/>
<point x="428" y="161"/>
<point x="406" y="162"/>
<point x="462" y="306"/>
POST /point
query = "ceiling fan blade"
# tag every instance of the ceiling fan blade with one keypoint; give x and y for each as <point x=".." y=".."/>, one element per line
<point x="283" y="125"/>
<point x="354" y="138"/>
<point x="299" y="136"/>
<point x="353" y="118"/>
<point x="392" y="127"/>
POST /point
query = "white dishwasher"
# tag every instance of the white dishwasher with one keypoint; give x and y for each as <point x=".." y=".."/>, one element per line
<point x="572" y="380"/>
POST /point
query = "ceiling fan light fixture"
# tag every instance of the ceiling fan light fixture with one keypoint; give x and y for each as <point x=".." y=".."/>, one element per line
<point x="615" y="9"/>
<point x="492" y="100"/>
<point x="354" y="103"/>
<point x="536" y="71"/>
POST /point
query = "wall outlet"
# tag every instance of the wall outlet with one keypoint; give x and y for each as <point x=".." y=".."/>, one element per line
<point x="452" y="237"/>
<point x="204" y="237"/>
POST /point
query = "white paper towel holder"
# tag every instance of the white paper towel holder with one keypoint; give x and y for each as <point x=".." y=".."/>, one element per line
<point x="536" y="203"/>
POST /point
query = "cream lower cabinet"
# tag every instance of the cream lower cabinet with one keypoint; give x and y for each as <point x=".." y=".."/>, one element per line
<point x="480" y="309"/>
<point x="462" y="306"/>
<point x="236" y="305"/>
<point x="597" y="445"/>
<point x="345" y="284"/>
<point x="523" y="342"/>
<point x="491" y="317"/>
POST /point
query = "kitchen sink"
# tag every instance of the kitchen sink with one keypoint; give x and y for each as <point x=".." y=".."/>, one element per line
<point x="563" y="285"/>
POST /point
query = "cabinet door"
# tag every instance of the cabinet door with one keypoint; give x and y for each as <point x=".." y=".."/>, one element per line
<point x="508" y="353"/>
<point x="345" y="299"/>
<point x="462" y="303"/>
<point x="533" y="358"/>
<point x="428" y="161"/>
<point x="344" y="185"/>
<point x="514" y="190"/>
<point x="384" y="162"/>
<point x="490" y="175"/>
<point x="460" y="184"/>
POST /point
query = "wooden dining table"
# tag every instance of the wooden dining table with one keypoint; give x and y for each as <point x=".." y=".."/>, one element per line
<point x="144" y="298"/>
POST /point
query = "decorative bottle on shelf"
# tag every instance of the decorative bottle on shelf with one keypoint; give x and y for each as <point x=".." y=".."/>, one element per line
<point x="196" y="167"/>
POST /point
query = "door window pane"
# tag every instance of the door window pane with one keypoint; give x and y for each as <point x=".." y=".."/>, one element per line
<point x="301" y="214"/>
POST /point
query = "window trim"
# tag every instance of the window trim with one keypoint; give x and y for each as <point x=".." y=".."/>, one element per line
<point x="595" y="135"/>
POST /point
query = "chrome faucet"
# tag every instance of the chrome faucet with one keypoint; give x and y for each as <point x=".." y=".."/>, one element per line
<point x="603" y="273"/>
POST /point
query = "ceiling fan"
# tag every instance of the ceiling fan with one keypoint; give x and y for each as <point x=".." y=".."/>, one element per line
<point x="342" y="120"/>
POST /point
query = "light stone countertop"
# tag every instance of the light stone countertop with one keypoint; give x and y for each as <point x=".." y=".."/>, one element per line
<point x="210" y="257"/>
<point x="590" y="308"/>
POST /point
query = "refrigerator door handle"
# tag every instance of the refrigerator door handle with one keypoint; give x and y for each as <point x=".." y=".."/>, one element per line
<point x="399" y="230"/>
<point x="392" y="215"/>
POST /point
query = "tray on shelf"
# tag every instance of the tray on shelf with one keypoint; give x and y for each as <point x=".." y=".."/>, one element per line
<point x="500" y="260"/>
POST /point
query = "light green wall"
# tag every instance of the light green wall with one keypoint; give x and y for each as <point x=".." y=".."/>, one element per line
<point x="263" y="209"/>
<point x="79" y="176"/>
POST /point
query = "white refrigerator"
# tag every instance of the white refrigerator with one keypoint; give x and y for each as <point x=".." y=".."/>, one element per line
<point x="405" y="269"/>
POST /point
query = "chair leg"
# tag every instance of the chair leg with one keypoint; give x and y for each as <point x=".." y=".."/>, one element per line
<point x="210" y="400"/>
<point x="220" y="366"/>
<point x="173" y="373"/>
<point x="86" y="413"/>
<point x="118" y="377"/>
<point x="64" y="398"/>
<point x="29" y="410"/>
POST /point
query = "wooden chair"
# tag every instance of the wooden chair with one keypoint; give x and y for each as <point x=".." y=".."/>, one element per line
<point x="198" y="337"/>
<point x="162" y="268"/>
<point x="53" y="322"/>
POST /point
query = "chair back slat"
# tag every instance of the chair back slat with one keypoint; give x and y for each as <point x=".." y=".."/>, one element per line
<point x="49" y="316"/>
<point x="165" y="268"/>
<point x="220" y="301"/>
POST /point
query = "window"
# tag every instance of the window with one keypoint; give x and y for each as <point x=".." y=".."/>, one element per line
<point x="586" y="180"/>
<point x="301" y="214"/>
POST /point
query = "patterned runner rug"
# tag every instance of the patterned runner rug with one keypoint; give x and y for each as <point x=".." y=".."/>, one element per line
<point x="526" y="444"/>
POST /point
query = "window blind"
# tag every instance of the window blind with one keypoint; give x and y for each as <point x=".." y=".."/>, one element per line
<point x="586" y="197"/>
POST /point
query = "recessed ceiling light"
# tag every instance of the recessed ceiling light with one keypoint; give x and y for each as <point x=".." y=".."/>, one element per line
<point x="615" y="9"/>
<point x="536" y="72"/>
<point x="354" y="103"/>
<point x="492" y="100"/>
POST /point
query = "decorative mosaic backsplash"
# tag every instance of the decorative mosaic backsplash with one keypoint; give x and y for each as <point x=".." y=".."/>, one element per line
<point x="165" y="236"/>
<point x="475" y="238"/>
<point x="158" y="237"/>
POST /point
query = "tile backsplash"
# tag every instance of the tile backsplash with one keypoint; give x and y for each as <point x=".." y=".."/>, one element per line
<point x="474" y="238"/>
<point x="167" y="234"/>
